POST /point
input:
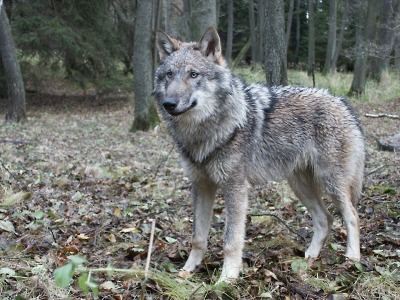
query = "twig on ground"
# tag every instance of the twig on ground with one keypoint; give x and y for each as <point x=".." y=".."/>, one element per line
<point x="376" y="169"/>
<point x="7" y="141"/>
<point x="163" y="160"/>
<point x="279" y="219"/>
<point x="195" y="291"/>
<point x="146" y="269"/>
<point x="382" y="116"/>
<point x="8" y="171"/>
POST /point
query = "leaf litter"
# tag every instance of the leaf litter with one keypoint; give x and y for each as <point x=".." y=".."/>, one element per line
<point x="75" y="182"/>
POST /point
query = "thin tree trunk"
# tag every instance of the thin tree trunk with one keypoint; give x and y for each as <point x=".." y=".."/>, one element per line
<point x="253" y="34"/>
<point x="229" y="41"/>
<point x="289" y="23"/>
<point x="12" y="71"/>
<point x="275" y="44"/>
<point x="145" y="113"/>
<point x="260" y="29"/>
<point x="362" y="39"/>
<point x="385" y="37"/>
<point x="298" y="28"/>
<point x="331" y="47"/>
<point x="343" y="25"/>
<point x="311" y="39"/>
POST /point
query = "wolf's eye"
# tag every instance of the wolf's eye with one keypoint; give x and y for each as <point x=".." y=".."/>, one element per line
<point x="169" y="74"/>
<point x="194" y="74"/>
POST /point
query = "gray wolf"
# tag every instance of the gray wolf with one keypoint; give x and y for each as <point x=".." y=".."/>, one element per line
<point x="231" y="136"/>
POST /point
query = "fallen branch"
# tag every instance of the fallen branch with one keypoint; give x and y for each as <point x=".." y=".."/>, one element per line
<point x="9" y="172"/>
<point x="7" y="141"/>
<point x="146" y="269"/>
<point x="382" y="116"/>
<point x="280" y="220"/>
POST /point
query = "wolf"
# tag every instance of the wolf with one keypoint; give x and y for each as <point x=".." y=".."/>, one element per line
<point x="231" y="135"/>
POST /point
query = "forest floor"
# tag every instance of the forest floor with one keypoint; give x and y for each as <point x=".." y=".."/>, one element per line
<point x="75" y="182"/>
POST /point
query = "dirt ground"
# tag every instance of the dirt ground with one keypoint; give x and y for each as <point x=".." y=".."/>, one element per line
<point x="74" y="181"/>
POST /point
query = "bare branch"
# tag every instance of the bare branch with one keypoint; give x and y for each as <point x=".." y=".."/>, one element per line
<point x="382" y="116"/>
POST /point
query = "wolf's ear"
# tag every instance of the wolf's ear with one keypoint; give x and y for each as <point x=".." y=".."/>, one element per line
<point x="166" y="44"/>
<point x="210" y="46"/>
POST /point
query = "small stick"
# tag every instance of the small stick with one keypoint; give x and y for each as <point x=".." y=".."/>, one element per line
<point x="279" y="219"/>
<point x="146" y="269"/>
<point x="382" y="116"/>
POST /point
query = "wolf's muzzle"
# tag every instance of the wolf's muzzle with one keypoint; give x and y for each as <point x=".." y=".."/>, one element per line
<point x="169" y="104"/>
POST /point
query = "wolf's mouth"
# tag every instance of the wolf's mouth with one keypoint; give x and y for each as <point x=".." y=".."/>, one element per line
<point x="177" y="113"/>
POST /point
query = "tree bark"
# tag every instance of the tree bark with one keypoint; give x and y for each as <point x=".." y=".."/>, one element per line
<point x="260" y="29"/>
<point x="203" y="15"/>
<point x="289" y="23"/>
<point x="298" y="32"/>
<point x="275" y="44"/>
<point x="343" y="25"/>
<point x="145" y="112"/>
<point x="311" y="39"/>
<point x="15" y="86"/>
<point x="253" y="34"/>
<point x="229" y="39"/>
<point x="385" y="37"/>
<point x="331" y="47"/>
<point x="363" y="38"/>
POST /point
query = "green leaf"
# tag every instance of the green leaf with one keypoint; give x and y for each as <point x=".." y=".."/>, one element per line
<point x="7" y="226"/>
<point x="170" y="240"/>
<point x="76" y="259"/>
<point x="82" y="280"/>
<point x="8" y="272"/>
<point x="359" y="267"/>
<point x="299" y="265"/>
<point x="38" y="214"/>
<point x="63" y="275"/>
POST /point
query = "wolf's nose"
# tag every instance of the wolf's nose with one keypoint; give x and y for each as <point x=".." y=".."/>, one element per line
<point x="170" y="104"/>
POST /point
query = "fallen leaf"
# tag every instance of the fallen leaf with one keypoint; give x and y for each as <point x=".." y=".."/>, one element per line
<point x="83" y="236"/>
<point x="7" y="226"/>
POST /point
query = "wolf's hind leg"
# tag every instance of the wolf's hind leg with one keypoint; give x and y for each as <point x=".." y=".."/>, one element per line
<point x="203" y="196"/>
<point x="309" y="193"/>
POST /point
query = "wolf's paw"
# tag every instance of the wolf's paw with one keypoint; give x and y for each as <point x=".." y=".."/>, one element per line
<point x="354" y="256"/>
<point x="226" y="280"/>
<point x="185" y="274"/>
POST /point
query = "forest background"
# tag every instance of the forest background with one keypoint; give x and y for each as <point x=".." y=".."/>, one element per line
<point x="76" y="78"/>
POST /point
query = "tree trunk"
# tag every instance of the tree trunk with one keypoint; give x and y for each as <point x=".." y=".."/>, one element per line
<point x="385" y="37"/>
<point x="331" y="47"/>
<point x="145" y="112"/>
<point x="311" y="39"/>
<point x="343" y="25"/>
<point x="275" y="44"/>
<point x="176" y="22"/>
<point x="229" y="39"/>
<point x="12" y="71"/>
<point x="289" y="23"/>
<point x="362" y="39"/>
<point x="260" y="30"/>
<point x="397" y="55"/>
<point x="253" y="34"/>
<point x="204" y="15"/>
<point x="298" y="28"/>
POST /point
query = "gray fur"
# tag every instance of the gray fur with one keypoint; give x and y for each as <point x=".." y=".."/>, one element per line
<point x="231" y="135"/>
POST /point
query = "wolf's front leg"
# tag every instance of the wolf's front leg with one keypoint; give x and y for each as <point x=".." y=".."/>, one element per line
<point x="236" y="201"/>
<point x="203" y="196"/>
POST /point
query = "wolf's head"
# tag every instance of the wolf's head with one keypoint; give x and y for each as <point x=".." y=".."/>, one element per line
<point x="191" y="76"/>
